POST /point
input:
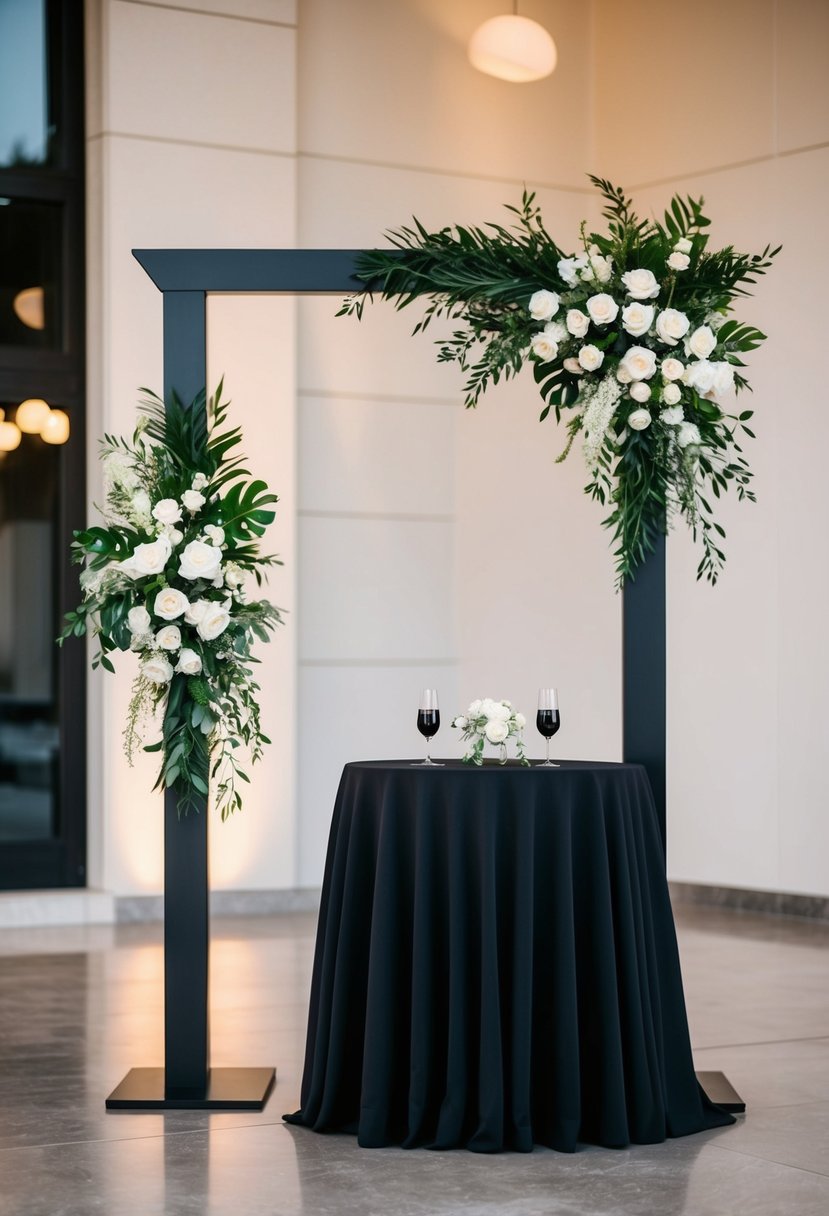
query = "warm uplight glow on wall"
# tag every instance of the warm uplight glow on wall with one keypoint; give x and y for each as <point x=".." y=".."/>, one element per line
<point x="56" y="427"/>
<point x="31" y="415"/>
<point x="513" y="48"/>
<point x="28" y="307"/>
<point x="9" y="437"/>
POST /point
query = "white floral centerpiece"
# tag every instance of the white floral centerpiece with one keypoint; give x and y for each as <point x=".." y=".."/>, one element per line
<point x="165" y="578"/>
<point x="488" y="721"/>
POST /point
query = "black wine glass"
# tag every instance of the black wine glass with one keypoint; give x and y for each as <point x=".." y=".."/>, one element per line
<point x="428" y="723"/>
<point x="548" y="719"/>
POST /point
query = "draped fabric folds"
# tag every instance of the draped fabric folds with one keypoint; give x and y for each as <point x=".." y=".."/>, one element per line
<point x="496" y="964"/>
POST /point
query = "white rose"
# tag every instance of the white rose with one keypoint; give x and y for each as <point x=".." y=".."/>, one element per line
<point x="639" y="391"/>
<point x="639" y="420"/>
<point x="641" y="284"/>
<point x="569" y="269"/>
<point x="591" y="358"/>
<point x="199" y="560"/>
<point x="148" y="559"/>
<point x="167" y="511"/>
<point x="189" y="663"/>
<point x="214" y="621"/>
<point x="688" y="433"/>
<point x="573" y="366"/>
<point x="671" y="325"/>
<point x="174" y="535"/>
<point x="196" y="611"/>
<point x="543" y="347"/>
<point x="520" y="721"/>
<point x="192" y="500"/>
<point x="637" y="318"/>
<point x="578" y="322"/>
<point x="496" y="731"/>
<point x="169" y="638"/>
<point x="543" y="305"/>
<point x="673" y="416"/>
<point x="157" y="670"/>
<point x="460" y="722"/>
<point x="683" y="245"/>
<point x="700" y="376"/>
<point x="701" y="342"/>
<point x="170" y="604"/>
<point x="679" y="260"/>
<point x="602" y="268"/>
<point x="199" y="481"/>
<point x="499" y="712"/>
<point x="639" y="363"/>
<point x="671" y="394"/>
<point x="215" y="535"/>
<point x="139" y="620"/>
<point x="602" y="308"/>
<point x="723" y="378"/>
<point x="623" y="375"/>
<point x="672" y="369"/>
<point x="474" y="709"/>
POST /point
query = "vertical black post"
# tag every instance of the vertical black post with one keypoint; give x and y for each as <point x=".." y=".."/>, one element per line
<point x="644" y="674"/>
<point x="186" y="921"/>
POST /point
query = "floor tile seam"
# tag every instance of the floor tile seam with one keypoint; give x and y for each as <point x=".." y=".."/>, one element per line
<point x="190" y="1131"/>
<point x="806" y="1038"/>
<point x="741" y="1152"/>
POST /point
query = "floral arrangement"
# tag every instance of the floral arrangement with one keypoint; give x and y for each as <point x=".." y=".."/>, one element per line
<point x="630" y="335"/>
<point x="165" y="577"/>
<point x="488" y="721"/>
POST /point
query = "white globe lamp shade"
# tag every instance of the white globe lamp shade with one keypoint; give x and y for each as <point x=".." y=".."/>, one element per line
<point x="56" y="427"/>
<point x="9" y="437"/>
<point x="513" y="48"/>
<point x="31" y="415"/>
<point x="28" y="307"/>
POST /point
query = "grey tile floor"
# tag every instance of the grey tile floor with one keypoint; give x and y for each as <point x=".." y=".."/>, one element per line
<point x="78" y="1007"/>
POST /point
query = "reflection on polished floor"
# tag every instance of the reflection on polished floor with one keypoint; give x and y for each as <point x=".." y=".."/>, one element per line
<point x="78" y="1007"/>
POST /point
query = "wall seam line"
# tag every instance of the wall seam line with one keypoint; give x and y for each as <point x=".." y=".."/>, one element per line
<point x="203" y="12"/>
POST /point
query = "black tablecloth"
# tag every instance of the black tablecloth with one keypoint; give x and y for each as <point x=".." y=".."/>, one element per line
<point x="496" y="963"/>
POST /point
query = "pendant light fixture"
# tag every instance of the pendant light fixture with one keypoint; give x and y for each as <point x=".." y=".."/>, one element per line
<point x="31" y="414"/>
<point x="56" y="427"/>
<point x="513" y="48"/>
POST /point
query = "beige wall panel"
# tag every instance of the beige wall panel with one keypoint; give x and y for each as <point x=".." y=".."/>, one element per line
<point x="678" y="96"/>
<point x="375" y="589"/>
<point x="280" y="12"/>
<point x="802" y="73"/>
<point x="183" y="76"/>
<point x="391" y="83"/>
<point x="389" y="457"/>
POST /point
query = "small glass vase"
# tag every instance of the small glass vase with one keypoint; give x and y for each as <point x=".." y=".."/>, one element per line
<point x="502" y="753"/>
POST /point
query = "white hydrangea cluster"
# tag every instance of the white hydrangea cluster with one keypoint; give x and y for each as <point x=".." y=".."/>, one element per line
<point x="488" y="721"/>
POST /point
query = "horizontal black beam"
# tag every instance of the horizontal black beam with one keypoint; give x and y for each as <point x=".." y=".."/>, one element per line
<point x="294" y="271"/>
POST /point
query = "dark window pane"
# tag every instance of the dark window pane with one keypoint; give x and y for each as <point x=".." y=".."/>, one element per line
<point x="26" y="134"/>
<point x="29" y="735"/>
<point x="30" y="273"/>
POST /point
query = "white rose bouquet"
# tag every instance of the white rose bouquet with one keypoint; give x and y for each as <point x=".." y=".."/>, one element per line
<point x="165" y="578"/>
<point x="488" y="721"/>
<point x="630" y="335"/>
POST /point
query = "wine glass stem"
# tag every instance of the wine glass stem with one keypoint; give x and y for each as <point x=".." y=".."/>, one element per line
<point x="428" y="750"/>
<point x="548" y="749"/>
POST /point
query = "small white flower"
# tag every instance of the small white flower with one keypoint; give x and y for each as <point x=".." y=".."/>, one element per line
<point x="139" y="619"/>
<point x="543" y="347"/>
<point x="199" y="560"/>
<point x="214" y="621"/>
<point x="640" y="391"/>
<point x="639" y="362"/>
<point x="520" y="721"/>
<point x="688" y="434"/>
<point x="641" y="284"/>
<point x="701" y="342"/>
<point x="637" y="318"/>
<point x="460" y="722"/>
<point x="723" y="378"/>
<point x="671" y="325"/>
<point x="601" y="267"/>
<point x="174" y="535"/>
<point x="700" y="376"/>
<point x="569" y="269"/>
<point x="169" y="638"/>
<point x="672" y="416"/>
<point x="474" y="709"/>
<point x="578" y="322"/>
<point x="167" y="511"/>
<point x="170" y="604"/>
<point x="573" y="366"/>
<point x="556" y="331"/>
<point x="496" y="731"/>
<point x="196" y="611"/>
<point x="140" y="509"/>
<point x="157" y="670"/>
<point x="200" y="481"/>
<point x="591" y="358"/>
<point x="683" y="245"/>
<point x="189" y="662"/>
<point x="623" y="375"/>
<point x="142" y="641"/>
<point x="603" y="308"/>
<point x="679" y="260"/>
<point x="639" y="420"/>
<point x="672" y="369"/>
<point x="193" y="500"/>
<point x="543" y="305"/>
<point x="671" y="394"/>
<point x="234" y="576"/>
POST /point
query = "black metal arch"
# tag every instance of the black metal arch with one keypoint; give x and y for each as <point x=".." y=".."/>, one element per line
<point x="185" y="277"/>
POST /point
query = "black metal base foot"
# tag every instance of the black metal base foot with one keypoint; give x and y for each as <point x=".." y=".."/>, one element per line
<point x="721" y="1092"/>
<point x="227" y="1089"/>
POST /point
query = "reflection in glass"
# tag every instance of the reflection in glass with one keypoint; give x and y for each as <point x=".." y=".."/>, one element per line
<point x="25" y="134"/>
<point x="29" y="479"/>
<point x="30" y="273"/>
